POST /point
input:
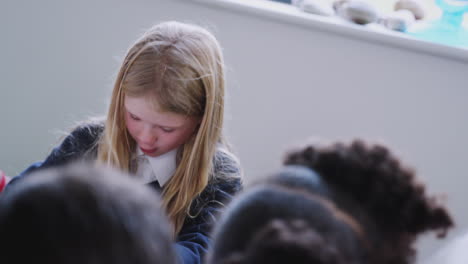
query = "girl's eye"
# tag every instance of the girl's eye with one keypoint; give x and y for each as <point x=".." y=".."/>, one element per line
<point x="134" y="117"/>
<point x="167" y="129"/>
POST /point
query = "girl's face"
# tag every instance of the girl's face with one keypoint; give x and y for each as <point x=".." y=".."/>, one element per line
<point x="156" y="132"/>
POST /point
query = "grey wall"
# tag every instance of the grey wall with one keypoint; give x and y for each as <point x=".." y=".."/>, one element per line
<point x="286" y="83"/>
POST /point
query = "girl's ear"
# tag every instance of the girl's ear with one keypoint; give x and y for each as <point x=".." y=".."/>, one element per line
<point x="198" y="121"/>
<point x="195" y="130"/>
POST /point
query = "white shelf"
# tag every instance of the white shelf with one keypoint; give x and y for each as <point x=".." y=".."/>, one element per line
<point x="292" y="15"/>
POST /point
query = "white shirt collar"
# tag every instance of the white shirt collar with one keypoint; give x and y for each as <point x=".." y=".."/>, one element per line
<point x="159" y="168"/>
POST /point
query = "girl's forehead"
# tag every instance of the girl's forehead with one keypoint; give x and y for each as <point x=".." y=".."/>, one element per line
<point x="148" y="103"/>
<point x="147" y="109"/>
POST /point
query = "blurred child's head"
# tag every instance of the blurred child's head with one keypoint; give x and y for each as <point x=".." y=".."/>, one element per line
<point x="82" y="215"/>
<point x="275" y="224"/>
<point x="169" y="94"/>
<point x="341" y="203"/>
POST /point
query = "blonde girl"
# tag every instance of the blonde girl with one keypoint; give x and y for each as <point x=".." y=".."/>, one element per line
<point x="164" y="126"/>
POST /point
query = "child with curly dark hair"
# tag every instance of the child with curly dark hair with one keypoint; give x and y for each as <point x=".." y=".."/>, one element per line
<point x="342" y="203"/>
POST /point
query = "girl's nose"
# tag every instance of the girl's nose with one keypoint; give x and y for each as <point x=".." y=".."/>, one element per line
<point x="148" y="136"/>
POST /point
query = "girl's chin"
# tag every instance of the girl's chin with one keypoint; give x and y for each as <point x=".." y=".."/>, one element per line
<point x="153" y="155"/>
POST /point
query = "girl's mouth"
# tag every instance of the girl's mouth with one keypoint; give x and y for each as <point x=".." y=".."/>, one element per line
<point x="148" y="151"/>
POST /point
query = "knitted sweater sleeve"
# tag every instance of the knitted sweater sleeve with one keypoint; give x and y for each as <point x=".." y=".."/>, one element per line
<point x="78" y="145"/>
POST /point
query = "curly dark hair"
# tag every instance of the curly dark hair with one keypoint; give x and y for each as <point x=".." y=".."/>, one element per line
<point x="373" y="186"/>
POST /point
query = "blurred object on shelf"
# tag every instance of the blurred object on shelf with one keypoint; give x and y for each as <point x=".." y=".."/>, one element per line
<point x="414" y="6"/>
<point x="448" y="29"/>
<point x="359" y="12"/>
<point x="398" y="20"/>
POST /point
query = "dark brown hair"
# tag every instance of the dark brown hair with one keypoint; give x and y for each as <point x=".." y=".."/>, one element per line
<point x="79" y="214"/>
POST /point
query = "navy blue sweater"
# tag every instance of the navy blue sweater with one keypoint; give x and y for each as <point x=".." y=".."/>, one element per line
<point x="193" y="239"/>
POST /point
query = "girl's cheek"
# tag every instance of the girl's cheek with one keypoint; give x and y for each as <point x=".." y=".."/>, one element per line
<point x="132" y="127"/>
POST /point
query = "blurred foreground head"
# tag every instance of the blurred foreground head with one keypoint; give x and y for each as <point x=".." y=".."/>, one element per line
<point x="340" y="203"/>
<point x="82" y="214"/>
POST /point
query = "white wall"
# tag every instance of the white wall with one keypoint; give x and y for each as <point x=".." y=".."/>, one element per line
<point x="286" y="83"/>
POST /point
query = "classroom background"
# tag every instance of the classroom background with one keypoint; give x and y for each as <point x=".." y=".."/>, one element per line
<point x="289" y="80"/>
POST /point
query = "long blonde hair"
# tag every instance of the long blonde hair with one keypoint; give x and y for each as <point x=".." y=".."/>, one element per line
<point x="181" y="66"/>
